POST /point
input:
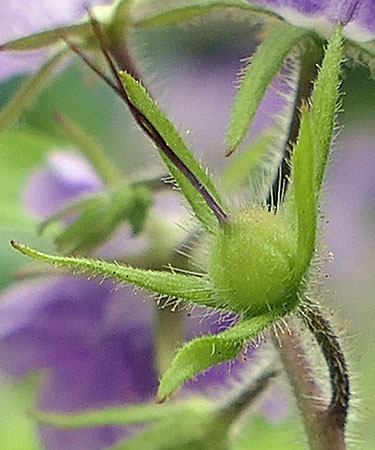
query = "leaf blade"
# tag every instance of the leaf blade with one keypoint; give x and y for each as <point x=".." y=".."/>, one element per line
<point x="204" y="352"/>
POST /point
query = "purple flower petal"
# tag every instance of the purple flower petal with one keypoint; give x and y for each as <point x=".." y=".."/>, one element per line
<point x="358" y="16"/>
<point x="94" y="341"/>
<point x="350" y="232"/>
<point x="68" y="177"/>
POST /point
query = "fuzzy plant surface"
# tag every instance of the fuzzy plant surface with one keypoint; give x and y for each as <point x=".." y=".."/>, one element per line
<point x="260" y="256"/>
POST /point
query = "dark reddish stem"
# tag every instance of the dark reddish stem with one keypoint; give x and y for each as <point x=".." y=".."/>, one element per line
<point x="145" y="124"/>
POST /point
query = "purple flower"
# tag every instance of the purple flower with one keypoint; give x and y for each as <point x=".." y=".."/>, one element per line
<point x="357" y="16"/>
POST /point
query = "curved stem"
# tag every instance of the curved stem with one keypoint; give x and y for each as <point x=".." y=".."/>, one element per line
<point x="335" y="359"/>
<point x="324" y="421"/>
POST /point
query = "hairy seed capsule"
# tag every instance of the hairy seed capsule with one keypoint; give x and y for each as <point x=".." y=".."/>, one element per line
<point x="252" y="263"/>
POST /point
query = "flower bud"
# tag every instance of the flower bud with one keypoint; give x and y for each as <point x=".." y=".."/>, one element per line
<point x="252" y="263"/>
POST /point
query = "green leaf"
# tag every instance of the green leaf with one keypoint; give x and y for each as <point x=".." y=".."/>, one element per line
<point x="47" y="38"/>
<point x="265" y="65"/>
<point x="204" y="352"/>
<point x="162" y="13"/>
<point x="148" y="107"/>
<point x="305" y="193"/>
<point x="124" y="415"/>
<point x="324" y="102"/>
<point x="244" y="167"/>
<point x="28" y="91"/>
<point x="194" y="289"/>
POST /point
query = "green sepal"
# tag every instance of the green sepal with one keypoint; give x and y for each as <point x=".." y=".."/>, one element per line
<point x="265" y="65"/>
<point x="148" y="107"/>
<point x="124" y="415"/>
<point x="190" y="288"/>
<point x="163" y="13"/>
<point x="304" y="193"/>
<point x="204" y="352"/>
<point x="30" y="88"/>
<point x="99" y="216"/>
<point x="244" y="168"/>
<point x="324" y="103"/>
<point x="47" y="38"/>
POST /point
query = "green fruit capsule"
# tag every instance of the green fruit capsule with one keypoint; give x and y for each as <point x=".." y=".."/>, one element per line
<point x="252" y="263"/>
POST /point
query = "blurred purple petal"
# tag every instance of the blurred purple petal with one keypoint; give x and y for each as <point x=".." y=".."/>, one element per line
<point x="352" y="186"/>
<point x="358" y="16"/>
<point x="95" y="341"/>
<point x="68" y="176"/>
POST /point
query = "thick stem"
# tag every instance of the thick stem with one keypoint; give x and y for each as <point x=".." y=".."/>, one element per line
<point x="324" y="421"/>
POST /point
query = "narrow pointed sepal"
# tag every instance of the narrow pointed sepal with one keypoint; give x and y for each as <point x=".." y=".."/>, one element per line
<point x="193" y="180"/>
<point x="47" y="38"/>
<point x="324" y="102"/>
<point x="178" y="286"/>
<point x="265" y="65"/>
<point x="304" y="193"/>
